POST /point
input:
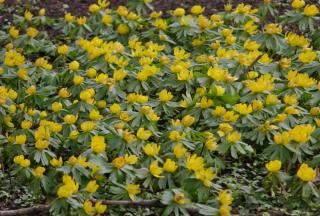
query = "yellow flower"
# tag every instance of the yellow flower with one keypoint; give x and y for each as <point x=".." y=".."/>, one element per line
<point x="178" y="12"/>
<point x="272" y="99"/>
<point x="100" y="208"/>
<point x="307" y="56"/>
<point x="165" y="96"/>
<point x="42" y="12"/>
<point x="26" y="124"/>
<point x="273" y="166"/>
<point x="219" y="111"/>
<point x="43" y="63"/>
<point x="291" y="110"/>
<point x="233" y="137"/>
<point x="122" y="10"/>
<point x="225" y="198"/>
<point x="306" y="173"/>
<point x="227" y="7"/>
<point x="151" y="149"/>
<point x="13" y="32"/>
<point x="115" y="108"/>
<point x="194" y="162"/>
<point x="87" y="126"/>
<point x="296" y="4"/>
<point x="69" y="187"/>
<point x="217" y="73"/>
<point x="170" y="166"/>
<point x="74" y="65"/>
<point x="205" y="103"/>
<point x="197" y="9"/>
<point x="31" y="90"/>
<point x="107" y="19"/>
<point x="32" y="32"/>
<point x="263" y="83"/>
<point x="18" y="159"/>
<point x="63" y="93"/>
<point x="95" y="115"/>
<point x="176" y="136"/>
<point x="155" y="170"/>
<point x="70" y="119"/>
<point x="130" y="159"/>
<point x="82" y="20"/>
<point x="69" y="18"/>
<point x="282" y="138"/>
<point x="143" y="134"/>
<point x="296" y="79"/>
<point x="98" y="144"/>
<point x="63" y="49"/>
<point x="56" y="107"/>
<point x="230" y="116"/>
<point x="179" y="151"/>
<point x="38" y="172"/>
<point x="257" y="105"/>
<point x="119" y="74"/>
<point x="310" y="10"/>
<point x="243" y="109"/>
<point x="73" y="135"/>
<point x="219" y="90"/>
<point x="133" y="190"/>
<point x="296" y="40"/>
<point x="160" y="24"/>
<point x="22" y="73"/>
<point x="119" y="162"/>
<point x="301" y="133"/>
<point x="13" y="58"/>
<point x="180" y="199"/>
<point x="88" y="207"/>
<point x="187" y="120"/>
<point x="251" y="45"/>
<point x="224" y="210"/>
<point x="94" y="8"/>
<point x="314" y="111"/>
<point x="25" y="163"/>
<point x="56" y="162"/>
<point x="28" y="15"/>
<point x="123" y="29"/>
<point x="42" y="144"/>
<point x="205" y="175"/>
<point x="280" y="118"/>
<point x="273" y="28"/>
<point x="20" y="139"/>
<point x="250" y="27"/>
<point x="290" y="99"/>
<point x="101" y="104"/>
<point x="92" y="186"/>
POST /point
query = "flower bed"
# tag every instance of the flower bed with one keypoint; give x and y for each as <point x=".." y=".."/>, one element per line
<point x="127" y="111"/>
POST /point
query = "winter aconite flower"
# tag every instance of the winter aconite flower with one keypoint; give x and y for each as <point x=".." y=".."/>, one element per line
<point x="155" y="170"/>
<point x="68" y="188"/>
<point x="273" y="166"/>
<point x="310" y="10"/>
<point x="133" y="190"/>
<point x="92" y="186"/>
<point x="98" y="144"/>
<point x="151" y="149"/>
<point x="306" y="173"/>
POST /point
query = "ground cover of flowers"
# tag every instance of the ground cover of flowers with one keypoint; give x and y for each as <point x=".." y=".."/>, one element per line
<point x="195" y="114"/>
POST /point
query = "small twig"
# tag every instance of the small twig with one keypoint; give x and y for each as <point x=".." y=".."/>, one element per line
<point x="253" y="63"/>
<point x="25" y="211"/>
<point x="45" y="208"/>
